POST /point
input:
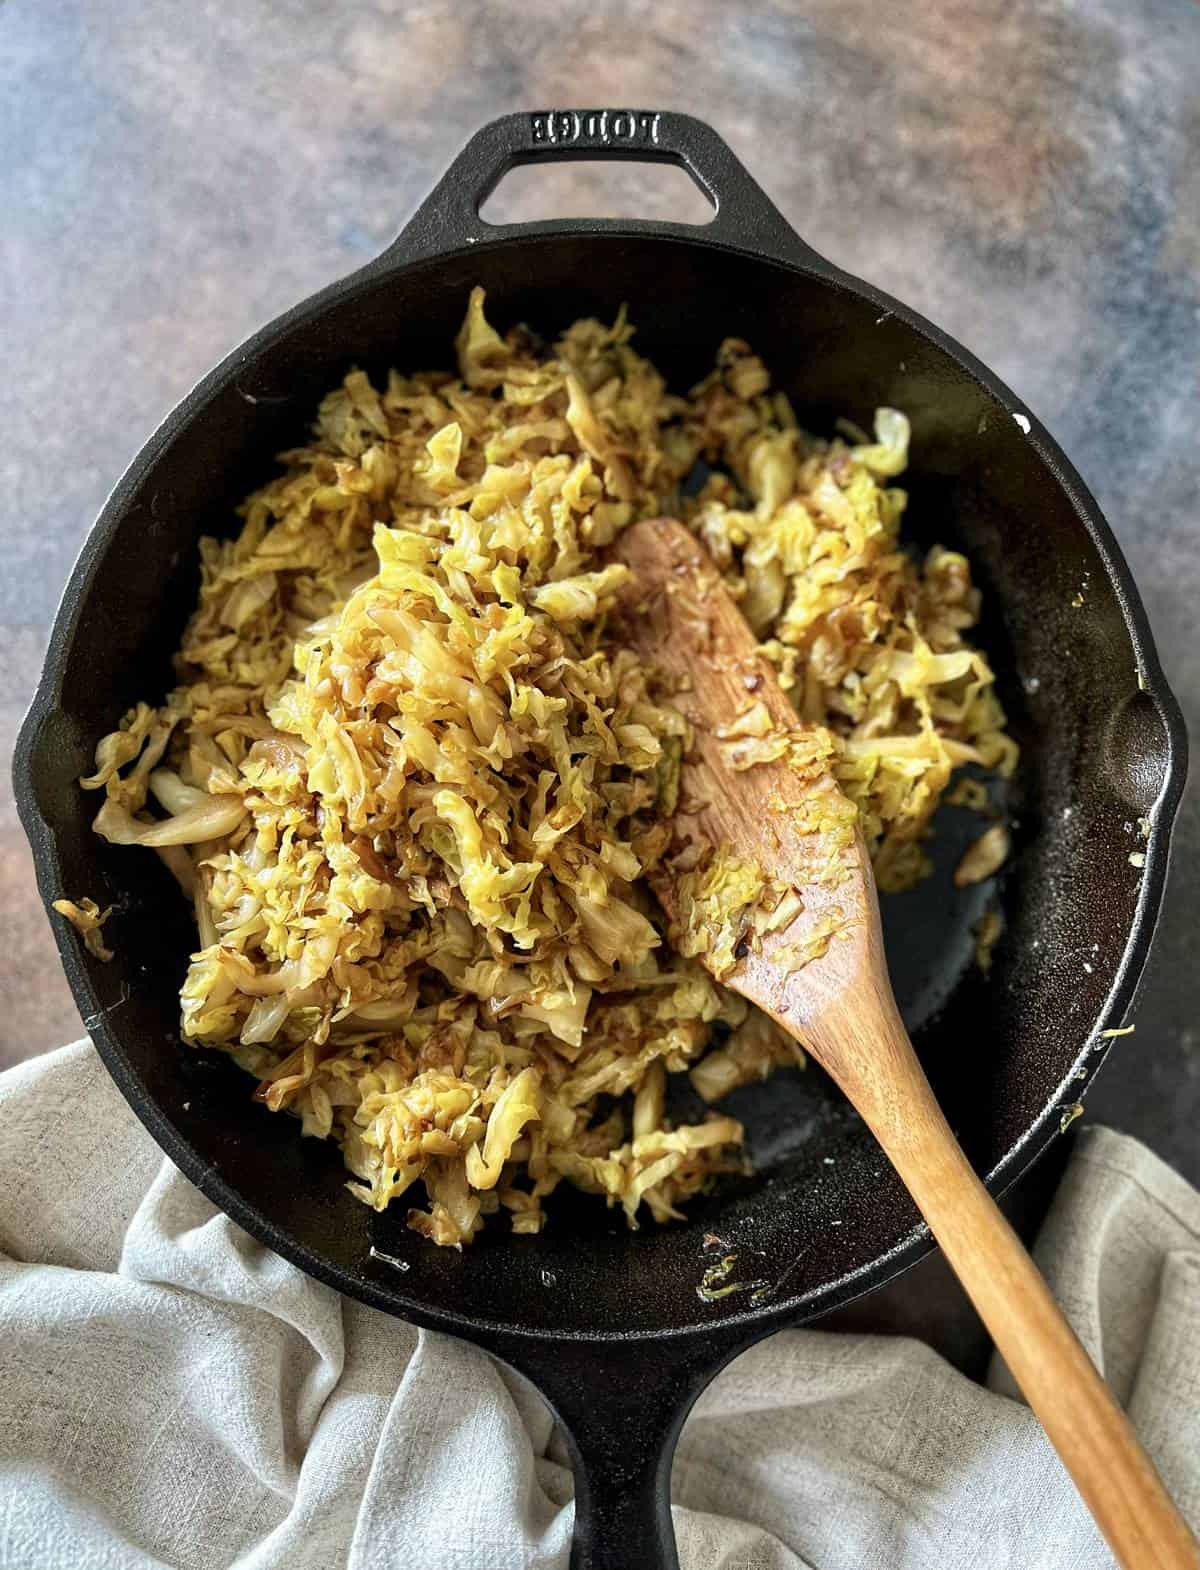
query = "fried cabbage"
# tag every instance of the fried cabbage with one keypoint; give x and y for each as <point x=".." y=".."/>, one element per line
<point x="87" y="918"/>
<point x="413" y="788"/>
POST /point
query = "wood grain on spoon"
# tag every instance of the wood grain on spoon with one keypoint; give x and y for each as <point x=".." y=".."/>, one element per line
<point x="678" y="615"/>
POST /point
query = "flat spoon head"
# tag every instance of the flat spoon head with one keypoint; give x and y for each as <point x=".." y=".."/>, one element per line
<point x="756" y="790"/>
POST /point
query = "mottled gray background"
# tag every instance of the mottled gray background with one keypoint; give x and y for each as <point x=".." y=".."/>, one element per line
<point x="1025" y="172"/>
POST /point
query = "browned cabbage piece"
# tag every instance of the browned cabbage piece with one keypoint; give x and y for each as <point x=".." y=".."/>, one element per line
<point x="87" y="918"/>
<point x="413" y="789"/>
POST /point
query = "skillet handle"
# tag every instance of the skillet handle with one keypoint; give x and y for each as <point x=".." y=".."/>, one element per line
<point x="622" y="1404"/>
<point x="744" y="216"/>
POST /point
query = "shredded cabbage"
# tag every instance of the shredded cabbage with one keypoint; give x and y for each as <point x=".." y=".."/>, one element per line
<point x="415" y="790"/>
<point x="984" y="858"/>
<point x="87" y="918"/>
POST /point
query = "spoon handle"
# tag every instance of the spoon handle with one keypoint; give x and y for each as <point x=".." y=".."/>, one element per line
<point x="1093" y="1437"/>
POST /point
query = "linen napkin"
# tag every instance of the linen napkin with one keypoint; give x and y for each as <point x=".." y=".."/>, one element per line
<point x="172" y="1394"/>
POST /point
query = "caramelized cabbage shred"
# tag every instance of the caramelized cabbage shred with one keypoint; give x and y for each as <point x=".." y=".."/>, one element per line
<point x="413" y="788"/>
<point x="87" y="918"/>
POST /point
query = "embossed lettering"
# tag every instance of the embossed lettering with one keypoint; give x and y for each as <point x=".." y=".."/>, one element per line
<point x="599" y="126"/>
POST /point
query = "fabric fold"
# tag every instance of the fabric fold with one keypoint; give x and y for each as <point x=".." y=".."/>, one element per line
<point x="173" y="1396"/>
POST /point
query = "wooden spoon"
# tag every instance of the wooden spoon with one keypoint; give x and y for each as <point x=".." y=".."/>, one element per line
<point x="839" y="1005"/>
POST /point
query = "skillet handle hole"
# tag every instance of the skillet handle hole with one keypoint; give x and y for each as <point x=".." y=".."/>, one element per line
<point x="661" y="192"/>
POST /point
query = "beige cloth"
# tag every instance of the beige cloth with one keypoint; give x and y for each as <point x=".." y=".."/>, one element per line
<point x="173" y="1394"/>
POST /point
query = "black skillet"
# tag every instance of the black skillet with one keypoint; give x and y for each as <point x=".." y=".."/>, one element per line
<point x="616" y="1328"/>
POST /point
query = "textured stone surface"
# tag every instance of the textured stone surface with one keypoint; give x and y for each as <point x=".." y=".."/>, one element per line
<point x="1018" y="170"/>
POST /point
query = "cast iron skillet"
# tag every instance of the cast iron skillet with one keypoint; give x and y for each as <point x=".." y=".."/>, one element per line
<point x="613" y="1326"/>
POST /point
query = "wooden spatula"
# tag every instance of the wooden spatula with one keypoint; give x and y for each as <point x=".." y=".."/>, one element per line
<point x="839" y="1005"/>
